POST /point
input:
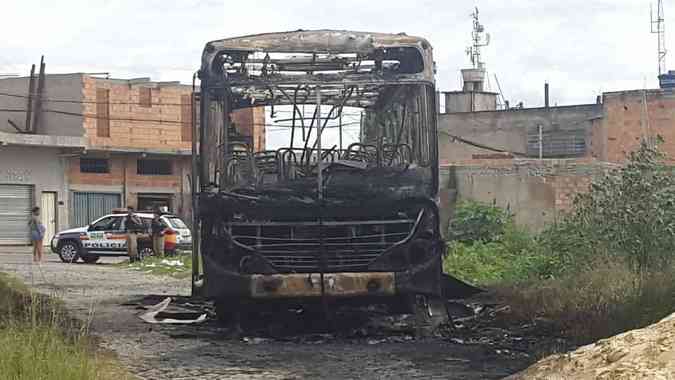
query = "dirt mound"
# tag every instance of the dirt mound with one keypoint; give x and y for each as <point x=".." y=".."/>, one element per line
<point x="647" y="353"/>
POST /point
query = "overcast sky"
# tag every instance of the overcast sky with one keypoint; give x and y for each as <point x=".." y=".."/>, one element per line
<point x="582" y="47"/>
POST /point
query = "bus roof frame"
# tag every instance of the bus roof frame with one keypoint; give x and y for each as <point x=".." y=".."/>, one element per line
<point x="322" y="41"/>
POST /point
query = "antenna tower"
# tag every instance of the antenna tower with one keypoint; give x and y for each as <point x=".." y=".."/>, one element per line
<point x="479" y="39"/>
<point x="658" y="27"/>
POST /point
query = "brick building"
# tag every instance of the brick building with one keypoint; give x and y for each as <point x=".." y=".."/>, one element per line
<point x="97" y="144"/>
<point x="534" y="161"/>
<point x="632" y="115"/>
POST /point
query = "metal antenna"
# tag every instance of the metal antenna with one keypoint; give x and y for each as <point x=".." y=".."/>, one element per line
<point x="658" y="27"/>
<point x="479" y="39"/>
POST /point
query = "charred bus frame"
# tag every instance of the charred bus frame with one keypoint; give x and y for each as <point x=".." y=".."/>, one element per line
<point x="318" y="219"/>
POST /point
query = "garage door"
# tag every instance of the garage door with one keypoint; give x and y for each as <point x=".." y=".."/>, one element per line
<point x="16" y="202"/>
<point x="90" y="206"/>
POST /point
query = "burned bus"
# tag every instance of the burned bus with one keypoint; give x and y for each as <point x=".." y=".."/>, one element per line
<point x="339" y="203"/>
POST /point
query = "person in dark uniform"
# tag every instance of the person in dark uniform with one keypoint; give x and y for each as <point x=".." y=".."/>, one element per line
<point x="134" y="226"/>
<point x="157" y="229"/>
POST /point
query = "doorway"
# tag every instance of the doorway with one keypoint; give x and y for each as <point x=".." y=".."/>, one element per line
<point x="151" y="202"/>
<point x="48" y="214"/>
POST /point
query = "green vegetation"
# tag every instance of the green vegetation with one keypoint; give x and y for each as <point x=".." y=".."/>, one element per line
<point x="179" y="266"/>
<point x="38" y="341"/>
<point x="498" y="252"/>
<point x="607" y="266"/>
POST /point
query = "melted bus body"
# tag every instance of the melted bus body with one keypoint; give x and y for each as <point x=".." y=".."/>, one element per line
<point x="340" y="201"/>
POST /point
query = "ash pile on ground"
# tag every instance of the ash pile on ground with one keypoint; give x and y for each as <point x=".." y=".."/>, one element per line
<point x="647" y="353"/>
<point x="473" y="323"/>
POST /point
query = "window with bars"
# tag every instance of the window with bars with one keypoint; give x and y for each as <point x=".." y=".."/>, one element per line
<point x="186" y="118"/>
<point x="94" y="165"/>
<point x="154" y="167"/>
<point x="145" y="97"/>
<point x="102" y="112"/>
<point x="556" y="142"/>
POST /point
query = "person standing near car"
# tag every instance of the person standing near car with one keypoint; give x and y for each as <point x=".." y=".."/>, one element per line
<point x="37" y="234"/>
<point x="157" y="231"/>
<point x="133" y="226"/>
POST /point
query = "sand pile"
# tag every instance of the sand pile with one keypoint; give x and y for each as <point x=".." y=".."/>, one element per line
<point x="647" y="353"/>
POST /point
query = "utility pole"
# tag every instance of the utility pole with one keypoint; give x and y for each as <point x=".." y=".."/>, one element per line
<point x="29" y="107"/>
<point x="38" y="97"/>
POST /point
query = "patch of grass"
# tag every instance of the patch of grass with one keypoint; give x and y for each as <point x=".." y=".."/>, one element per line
<point x="604" y="299"/>
<point x="606" y="267"/>
<point x="39" y="341"/>
<point x="179" y="266"/>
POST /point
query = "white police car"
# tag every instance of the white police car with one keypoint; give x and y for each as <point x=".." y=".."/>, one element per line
<point x="106" y="236"/>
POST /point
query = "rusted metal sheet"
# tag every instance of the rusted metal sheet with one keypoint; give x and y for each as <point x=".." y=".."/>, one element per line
<point x="335" y="41"/>
<point x="335" y="285"/>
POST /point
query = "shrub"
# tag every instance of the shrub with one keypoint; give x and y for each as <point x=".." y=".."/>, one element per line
<point x="475" y="221"/>
<point x="627" y="214"/>
<point x="511" y="258"/>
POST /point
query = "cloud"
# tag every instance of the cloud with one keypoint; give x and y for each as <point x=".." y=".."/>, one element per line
<point x="580" y="46"/>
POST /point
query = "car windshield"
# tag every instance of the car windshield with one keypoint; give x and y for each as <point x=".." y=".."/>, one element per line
<point x="176" y="222"/>
<point x="110" y="223"/>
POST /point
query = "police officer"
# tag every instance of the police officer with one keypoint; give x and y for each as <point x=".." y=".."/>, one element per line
<point x="134" y="226"/>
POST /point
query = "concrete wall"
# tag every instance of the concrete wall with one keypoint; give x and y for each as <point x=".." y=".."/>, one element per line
<point x="460" y="101"/>
<point x="42" y="168"/>
<point x="57" y="87"/>
<point x="507" y="130"/>
<point x="536" y="191"/>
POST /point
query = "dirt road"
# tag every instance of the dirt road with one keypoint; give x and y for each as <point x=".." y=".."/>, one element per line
<point x="109" y="296"/>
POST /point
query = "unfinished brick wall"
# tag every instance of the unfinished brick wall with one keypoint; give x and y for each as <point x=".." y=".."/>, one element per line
<point x="627" y="121"/>
<point x="566" y="188"/>
<point x="150" y="115"/>
<point x="132" y="123"/>
<point x="113" y="178"/>
<point x="251" y="122"/>
<point x="123" y="176"/>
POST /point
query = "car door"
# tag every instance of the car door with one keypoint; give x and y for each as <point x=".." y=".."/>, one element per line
<point x="95" y="241"/>
<point x="116" y="238"/>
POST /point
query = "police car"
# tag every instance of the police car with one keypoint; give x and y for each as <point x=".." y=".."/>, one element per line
<point x="106" y="236"/>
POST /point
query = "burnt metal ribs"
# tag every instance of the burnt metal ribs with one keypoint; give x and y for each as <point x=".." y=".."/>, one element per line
<point x="296" y="246"/>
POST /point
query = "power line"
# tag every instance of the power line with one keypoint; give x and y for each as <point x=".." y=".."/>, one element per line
<point x="481" y="146"/>
<point x="91" y="116"/>
<point x="161" y="121"/>
<point x="75" y="101"/>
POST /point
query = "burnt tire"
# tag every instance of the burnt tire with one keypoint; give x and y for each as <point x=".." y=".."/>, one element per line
<point x="90" y="259"/>
<point x="69" y="252"/>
